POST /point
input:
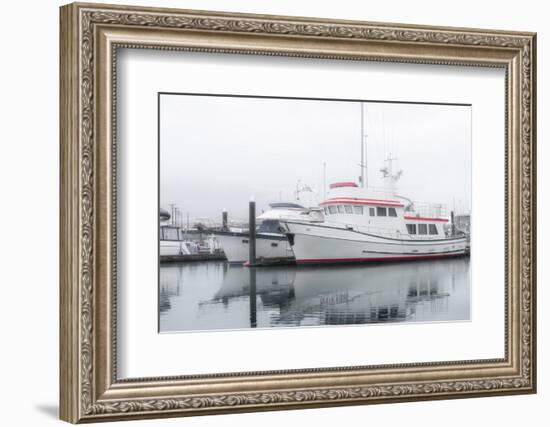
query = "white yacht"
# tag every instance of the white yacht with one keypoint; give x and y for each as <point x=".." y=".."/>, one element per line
<point x="366" y="225"/>
<point x="363" y="223"/>
<point x="271" y="239"/>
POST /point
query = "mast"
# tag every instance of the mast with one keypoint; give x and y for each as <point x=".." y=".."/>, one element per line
<point x="324" y="180"/>
<point x="363" y="162"/>
<point x="362" y="149"/>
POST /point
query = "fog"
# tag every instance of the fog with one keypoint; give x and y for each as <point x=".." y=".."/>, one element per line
<point x="218" y="152"/>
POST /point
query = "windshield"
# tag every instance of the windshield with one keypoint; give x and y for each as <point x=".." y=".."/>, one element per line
<point x="270" y="226"/>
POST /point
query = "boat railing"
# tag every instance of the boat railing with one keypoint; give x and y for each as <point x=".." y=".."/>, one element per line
<point x="428" y="210"/>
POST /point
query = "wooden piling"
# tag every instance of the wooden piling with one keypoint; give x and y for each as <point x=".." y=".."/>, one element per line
<point x="252" y="297"/>
<point x="225" y="226"/>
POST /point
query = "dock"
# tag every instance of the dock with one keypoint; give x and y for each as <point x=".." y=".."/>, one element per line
<point x="193" y="257"/>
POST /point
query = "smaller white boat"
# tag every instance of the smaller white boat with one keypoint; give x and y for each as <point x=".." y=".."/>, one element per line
<point x="271" y="240"/>
<point x="172" y="241"/>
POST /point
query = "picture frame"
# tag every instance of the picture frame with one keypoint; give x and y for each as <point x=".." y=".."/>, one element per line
<point x="91" y="37"/>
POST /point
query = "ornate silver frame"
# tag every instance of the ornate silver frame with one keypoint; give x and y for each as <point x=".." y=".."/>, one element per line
<point x="90" y="35"/>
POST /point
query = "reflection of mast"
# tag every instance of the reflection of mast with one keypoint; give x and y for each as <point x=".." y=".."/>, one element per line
<point x="252" y="297"/>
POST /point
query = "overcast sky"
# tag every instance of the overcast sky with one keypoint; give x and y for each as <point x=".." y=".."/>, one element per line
<point x="217" y="152"/>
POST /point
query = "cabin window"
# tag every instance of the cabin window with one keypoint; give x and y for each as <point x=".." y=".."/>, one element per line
<point x="432" y="229"/>
<point x="332" y="209"/>
<point x="411" y="228"/>
<point x="170" y="233"/>
<point x="340" y="209"/>
<point x="358" y="210"/>
<point x="371" y="212"/>
<point x="349" y="209"/>
<point x="392" y="212"/>
<point x="422" y="228"/>
<point x="381" y="211"/>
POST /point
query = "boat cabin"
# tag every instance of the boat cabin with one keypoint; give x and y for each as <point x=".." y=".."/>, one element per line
<point x="379" y="214"/>
<point x="170" y="232"/>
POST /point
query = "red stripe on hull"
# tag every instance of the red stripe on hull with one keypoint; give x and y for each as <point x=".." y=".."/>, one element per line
<point x="396" y="258"/>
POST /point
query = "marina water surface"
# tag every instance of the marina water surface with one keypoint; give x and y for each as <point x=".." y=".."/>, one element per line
<point x="216" y="296"/>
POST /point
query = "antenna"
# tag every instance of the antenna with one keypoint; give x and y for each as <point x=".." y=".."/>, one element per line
<point x="387" y="172"/>
<point x="300" y="188"/>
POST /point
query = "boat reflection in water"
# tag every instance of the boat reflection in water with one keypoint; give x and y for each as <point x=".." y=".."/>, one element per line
<point x="214" y="296"/>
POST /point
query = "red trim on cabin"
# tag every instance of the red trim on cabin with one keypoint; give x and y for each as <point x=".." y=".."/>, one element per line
<point x="394" y="258"/>
<point x="360" y="202"/>
<point x="343" y="184"/>
<point x="363" y="198"/>
<point x="419" y="218"/>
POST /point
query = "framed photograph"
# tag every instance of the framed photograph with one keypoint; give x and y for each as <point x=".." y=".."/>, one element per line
<point x="266" y="212"/>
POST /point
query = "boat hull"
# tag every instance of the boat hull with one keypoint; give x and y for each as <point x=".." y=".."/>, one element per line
<point x="236" y="248"/>
<point x="319" y="243"/>
<point x="173" y="248"/>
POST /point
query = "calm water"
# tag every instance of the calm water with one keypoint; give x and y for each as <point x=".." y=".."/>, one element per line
<point x="213" y="295"/>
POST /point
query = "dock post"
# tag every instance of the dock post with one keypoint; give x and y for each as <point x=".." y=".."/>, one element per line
<point x="224" y="220"/>
<point x="252" y="233"/>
